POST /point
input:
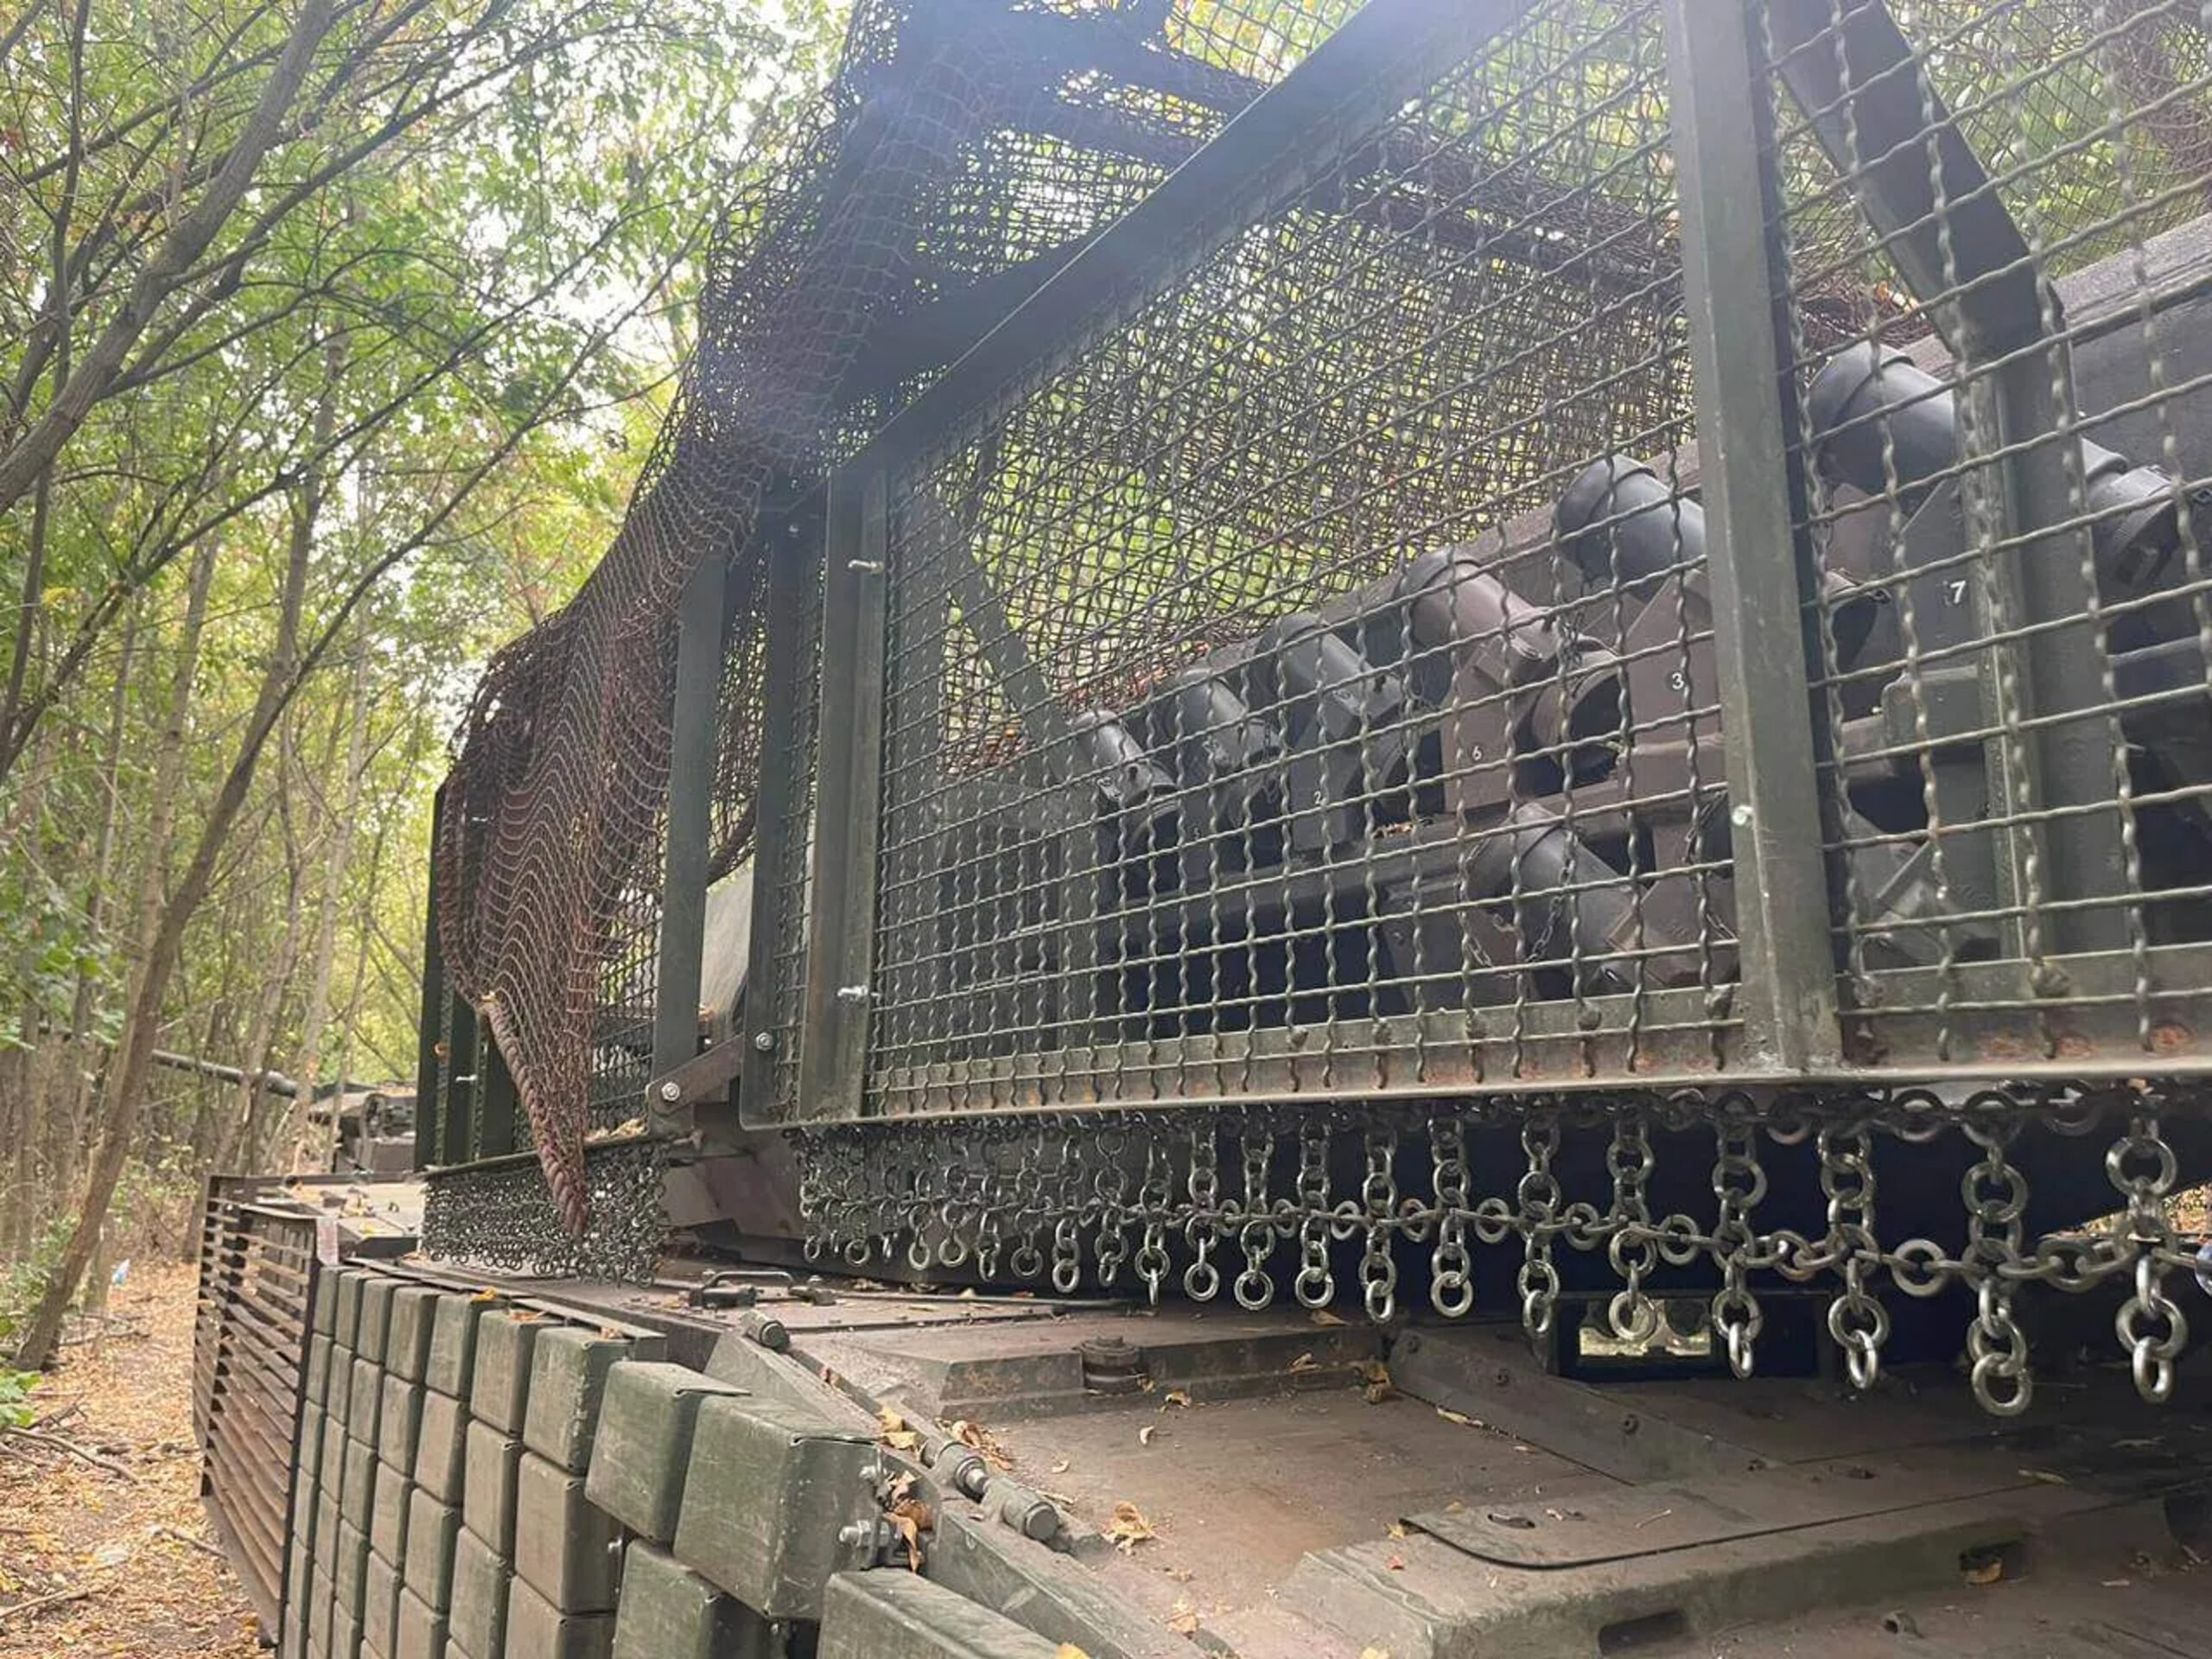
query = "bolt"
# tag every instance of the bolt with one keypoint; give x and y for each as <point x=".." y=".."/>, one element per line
<point x="857" y="1534"/>
<point x="1036" y="1520"/>
<point x="767" y="1330"/>
<point x="1032" y="1516"/>
<point x="1741" y="816"/>
<point x="671" y="1091"/>
<point x="764" y="1041"/>
<point x="1501" y="1376"/>
<point x="1630" y="1422"/>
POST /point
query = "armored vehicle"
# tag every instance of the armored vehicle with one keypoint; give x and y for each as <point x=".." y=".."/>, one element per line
<point x="1385" y="833"/>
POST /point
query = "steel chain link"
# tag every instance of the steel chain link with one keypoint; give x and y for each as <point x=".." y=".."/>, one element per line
<point x="1031" y="1197"/>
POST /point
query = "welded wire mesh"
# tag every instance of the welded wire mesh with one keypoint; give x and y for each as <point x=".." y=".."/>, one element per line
<point x="1253" y="724"/>
<point x="1303" y="679"/>
<point x="961" y="141"/>
<point x="2007" y="439"/>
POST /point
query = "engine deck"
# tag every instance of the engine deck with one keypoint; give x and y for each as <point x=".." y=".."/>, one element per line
<point x="1286" y="1482"/>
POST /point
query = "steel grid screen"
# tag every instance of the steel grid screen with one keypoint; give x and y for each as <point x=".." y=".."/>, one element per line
<point x="1989" y="216"/>
<point x="1261" y="677"/>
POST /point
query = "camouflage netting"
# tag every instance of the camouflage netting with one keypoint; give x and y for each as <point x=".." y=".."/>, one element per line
<point x="965" y="148"/>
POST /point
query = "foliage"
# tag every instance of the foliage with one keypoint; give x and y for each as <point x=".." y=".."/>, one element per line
<point x="23" y="1281"/>
<point x="16" y="1409"/>
<point x="391" y="396"/>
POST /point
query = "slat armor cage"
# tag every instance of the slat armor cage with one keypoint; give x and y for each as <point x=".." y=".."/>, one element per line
<point x="1329" y="589"/>
<point x="1533" y="564"/>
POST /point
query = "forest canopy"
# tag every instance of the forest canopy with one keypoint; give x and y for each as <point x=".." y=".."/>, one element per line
<point x="333" y="336"/>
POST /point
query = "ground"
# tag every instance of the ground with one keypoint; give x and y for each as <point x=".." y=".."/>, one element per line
<point x="130" y="1535"/>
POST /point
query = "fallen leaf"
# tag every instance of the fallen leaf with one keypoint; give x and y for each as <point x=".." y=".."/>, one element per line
<point x="1375" y="1653"/>
<point x="1145" y="1434"/>
<point x="486" y="1294"/>
<point x="1322" y="1316"/>
<point x="1128" y="1528"/>
<point x="895" y="1433"/>
<point x="1183" y="1621"/>
<point x="1397" y="1528"/>
<point x="1397" y="1563"/>
<point x="2115" y="1584"/>
<point x="1455" y="1506"/>
<point x="1988" y="1573"/>
<point x="1459" y="1417"/>
<point x="1174" y="1397"/>
<point x="1305" y="1362"/>
<point x="913" y="1518"/>
<point x="2043" y="1475"/>
<point x="1061" y="1467"/>
<point x="976" y="1438"/>
<point x="1069" y="1650"/>
<point x="1376" y="1375"/>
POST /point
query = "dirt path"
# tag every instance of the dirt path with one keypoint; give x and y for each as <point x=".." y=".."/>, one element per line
<point x="131" y="1537"/>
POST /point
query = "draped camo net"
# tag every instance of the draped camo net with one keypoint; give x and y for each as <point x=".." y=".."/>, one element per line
<point x="964" y="149"/>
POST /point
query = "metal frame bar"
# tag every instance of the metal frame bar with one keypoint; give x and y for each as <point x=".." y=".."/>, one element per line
<point x="791" y="568"/>
<point x="1293" y="133"/>
<point x="841" y="921"/>
<point x="1788" y="989"/>
<point x="429" y="1105"/>
<point x="694" y="729"/>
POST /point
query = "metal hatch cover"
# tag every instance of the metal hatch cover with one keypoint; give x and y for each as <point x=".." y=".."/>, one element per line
<point x="1661" y="1518"/>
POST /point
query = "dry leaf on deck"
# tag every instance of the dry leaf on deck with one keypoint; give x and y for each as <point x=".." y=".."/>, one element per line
<point x="1322" y="1316"/>
<point x="1459" y="1417"/>
<point x="1183" y="1621"/>
<point x="1062" y="1466"/>
<point x="1174" y="1397"/>
<point x="1375" y="1653"/>
<point x="896" y="1435"/>
<point x="1305" y="1362"/>
<point x="913" y="1518"/>
<point x="1145" y="1434"/>
<point x="976" y="1438"/>
<point x="1375" y="1376"/>
<point x="1397" y="1528"/>
<point x="1988" y="1573"/>
<point x="1128" y="1528"/>
<point x="1069" y="1650"/>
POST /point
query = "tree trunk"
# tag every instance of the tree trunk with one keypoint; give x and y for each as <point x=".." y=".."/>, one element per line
<point x="161" y="825"/>
<point x="126" y="1082"/>
<point x="232" y="1150"/>
<point x="68" y="1112"/>
<point x="307" y="1068"/>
